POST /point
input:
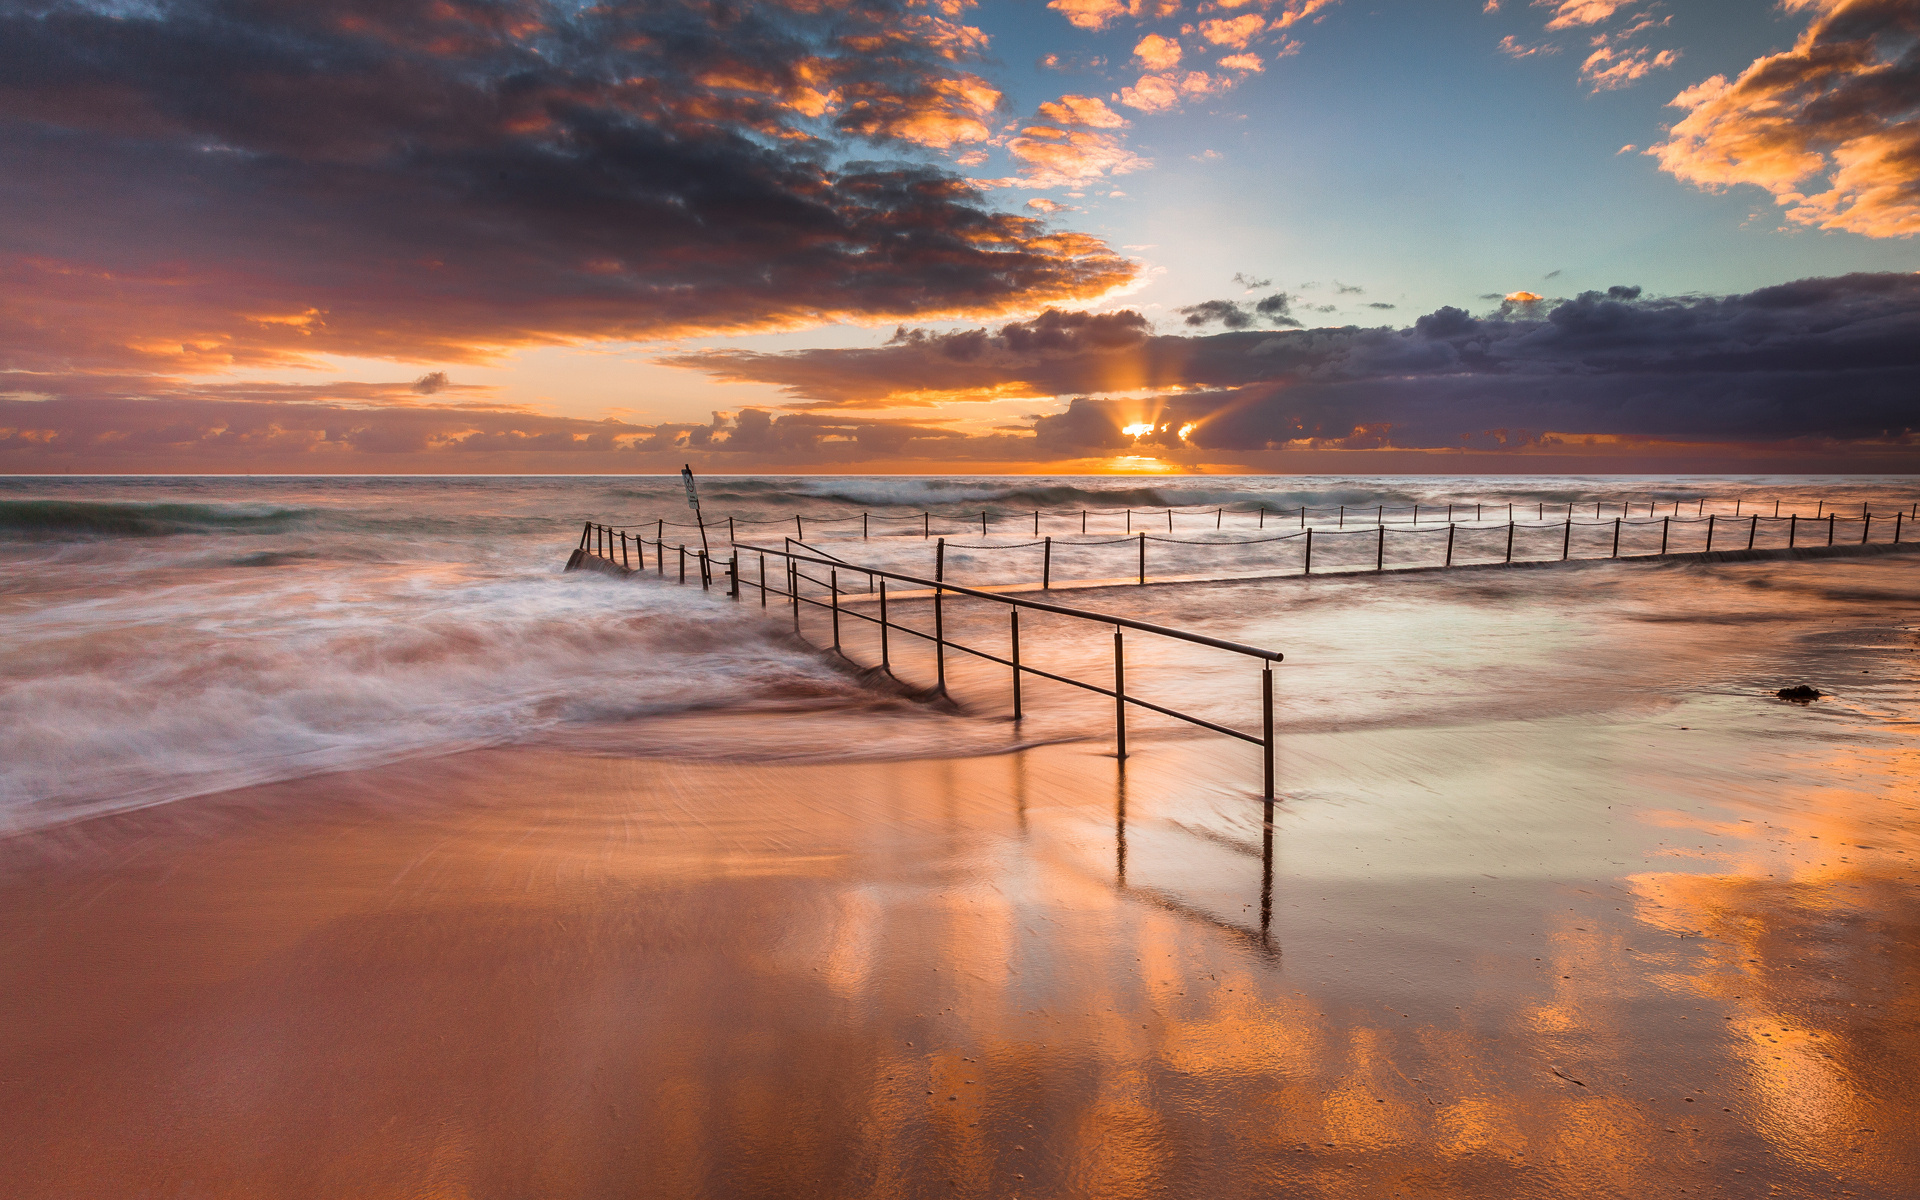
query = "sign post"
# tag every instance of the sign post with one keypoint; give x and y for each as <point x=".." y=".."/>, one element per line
<point x="693" y="502"/>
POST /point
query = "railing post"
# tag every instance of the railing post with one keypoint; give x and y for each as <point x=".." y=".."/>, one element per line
<point x="1083" y="520"/>
<point x="793" y="592"/>
<point x="683" y="564"/>
<point x="1416" y="514"/>
<point x="1036" y="522"/>
<point x="1217" y="514"/>
<point x="799" y="530"/>
<point x="1309" y="568"/>
<point x="939" y="614"/>
<point x="1013" y="615"/>
<point x="1380" y="549"/>
<point x="926" y="525"/>
<point x="1752" y="530"/>
<point x="1119" y="696"/>
<point x="1343" y="516"/>
<point x="886" y="657"/>
<point x="983" y="522"/>
<point x="733" y="576"/>
<point x="1303" y="516"/>
<point x="586" y="531"/>
<point x="1663" y="533"/>
<point x="1266" y="725"/>
<point x="1566" y="542"/>
<point x="625" y="562"/>
<point x="730" y="538"/>
<point x="1710" y="517"/>
<point x="1169" y="520"/>
<point x="1866" y="527"/>
<point x="1829" y="529"/>
<point x="1896" y="527"/>
<point x="1509" y="542"/>
<point x="1449" y="542"/>
<point x="1046" y="564"/>
<point x="1129" y="518"/>
<point x="1793" y="529"/>
<point x="833" y="582"/>
<point x="1143" y="557"/>
<point x="1616" y="537"/>
<point x="1263" y="517"/>
<point x="763" y="581"/>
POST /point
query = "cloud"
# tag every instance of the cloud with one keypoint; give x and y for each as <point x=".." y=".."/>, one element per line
<point x="1158" y="93"/>
<point x="1512" y="48"/>
<point x="1831" y="127"/>
<point x="1052" y="157"/>
<point x="1834" y="361"/>
<point x="1158" y="53"/>
<point x="1041" y="204"/>
<point x="1090" y="111"/>
<point x="1242" y="62"/>
<point x="1233" y="32"/>
<point x="1607" y="68"/>
<point x="198" y="184"/>
<point x="1250" y="282"/>
<point x="1572" y="14"/>
<point x="1380" y="304"/>
<point x="1098" y="14"/>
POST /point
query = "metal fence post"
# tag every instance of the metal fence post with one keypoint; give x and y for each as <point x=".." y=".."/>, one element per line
<point x="1566" y="542"/>
<point x="1266" y="725"/>
<point x="1169" y="520"/>
<point x="926" y="525"/>
<point x="1829" y="529"/>
<point x="1309" y="567"/>
<point x="1509" y="541"/>
<point x="1449" y="544"/>
<point x="683" y="564"/>
<point x="1793" y="529"/>
<point x="1143" y="557"/>
<point x="733" y="576"/>
<point x="586" y="531"/>
<point x="793" y="591"/>
<point x="886" y="658"/>
<point x="1046" y="563"/>
<point x="1119" y="696"/>
<point x="1866" y="527"/>
<point x="939" y="613"/>
<point x="1380" y="550"/>
<point x="1710" y="517"/>
<point x="1013" y="615"/>
<point x="1896" y="527"/>
<point x="1663" y="533"/>
<point x="1036" y="522"/>
<point x="983" y="522"/>
<point x="863" y="526"/>
<point x="1616" y="537"/>
<point x="1753" y="530"/>
<point x="833" y="582"/>
<point x="763" y="581"/>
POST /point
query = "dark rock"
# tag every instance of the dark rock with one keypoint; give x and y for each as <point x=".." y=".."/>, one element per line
<point x="1801" y="692"/>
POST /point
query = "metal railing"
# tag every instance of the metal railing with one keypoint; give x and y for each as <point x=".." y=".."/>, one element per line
<point x="610" y="546"/>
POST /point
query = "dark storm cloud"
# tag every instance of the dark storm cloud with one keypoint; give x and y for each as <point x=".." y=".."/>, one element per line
<point x="1819" y="358"/>
<point x="187" y="184"/>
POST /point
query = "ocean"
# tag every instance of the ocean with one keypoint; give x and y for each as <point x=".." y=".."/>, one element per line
<point x="172" y="637"/>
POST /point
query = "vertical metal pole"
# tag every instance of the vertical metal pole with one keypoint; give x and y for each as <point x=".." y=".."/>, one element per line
<point x="730" y="537"/>
<point x="863" y="527"/>
<point x="1567" y="540"/>
<point x="1710" y="518"/>
<point x="1866" y="527"/>
<point x="1819" y="509"/>
<point x="1343" y="516"/>
<point x="1509" y="541"/>
<point x="1046" y="564"/>
<point x="1616" y="537"/>
<point x="1449" y="544"/>
<point x="1169" y="520"/>
<point x="1263" y="516"/>
<point x="706" y="569"/>
<point x="1303" y="516"/>
<point x="1013" y="615"/>
<point x="1380" y="550"/>
<point x="939" y="613"/>
<point x="793" y="590"/>
<point x="1309" y="569"/>
<point x="1036" y="522"/>
<point x="1119" y="695"/>
<point x="733" y="576"/>
<point x="1416" y="514"/>
<point x="1217" y="514"/>
<point x="833" y="582"/>
<point x="1663" y="533"/>
<point x="1129" y="520"/>
<point x="926" y="525"/>
<point x="1829" y="529"/>
<point x="586" y="531"/>
<point x="1896" y="527"/>
<point x="1753" y="529"/>
<point x="624" y="560"/>
<point x="1143" y="557"/>
<point x="1083" y="520"/>
<point x="886" y="657"/>
<point x="1380" y="515"/>
<point x="763" y="581"/>
<point x="983" y="522"/>
<point x="1266" y="726"/>
<point x="799" y="530"/>
<point x="683" y="564"/>
<point x="1793" y="529"/>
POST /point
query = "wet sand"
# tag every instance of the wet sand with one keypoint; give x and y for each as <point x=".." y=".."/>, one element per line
<point x="1521" y="958"/>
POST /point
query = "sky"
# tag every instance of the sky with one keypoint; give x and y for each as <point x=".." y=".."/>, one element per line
<point x="934" y="236"/>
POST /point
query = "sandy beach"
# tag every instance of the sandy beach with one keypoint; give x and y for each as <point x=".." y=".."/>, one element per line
<point x="541" y="972"/>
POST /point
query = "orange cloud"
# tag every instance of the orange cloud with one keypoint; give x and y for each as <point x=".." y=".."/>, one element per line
<point x="1572" y="14"/>
<point x="1234" y="33"/>
<point x="1158" y="53"/>
<point x="1098" y="14"/>
<point x="1061" y="157"/>
<point x="1607" y="68"/>
<point x="1242" y="62"/>
<point x="1828" y="127"/>
<point x="1158" y="93"/>
<point x="1082" y="110"/>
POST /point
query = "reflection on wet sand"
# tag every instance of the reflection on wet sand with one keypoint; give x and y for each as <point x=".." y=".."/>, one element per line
<point x="530" y="972"/>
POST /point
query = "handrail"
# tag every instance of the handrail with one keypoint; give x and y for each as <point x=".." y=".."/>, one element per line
<point x="1040" y="605"/>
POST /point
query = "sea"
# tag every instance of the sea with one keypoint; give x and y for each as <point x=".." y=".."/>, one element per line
<point x="171" y="637"/>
